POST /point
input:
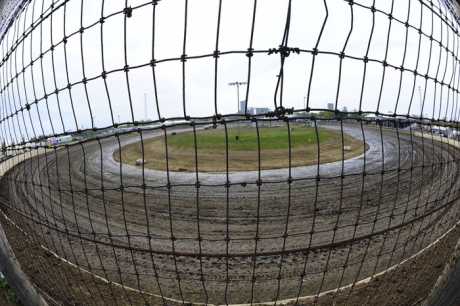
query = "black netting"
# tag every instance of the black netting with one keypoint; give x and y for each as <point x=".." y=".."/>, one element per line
<point x="130" y="177"/>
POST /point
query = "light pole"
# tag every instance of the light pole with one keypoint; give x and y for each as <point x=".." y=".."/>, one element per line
<point x="238" y="97"/>
<point x="145" y="107"/>
<point x="118" y="119"/>
<point x="420" y="97"/>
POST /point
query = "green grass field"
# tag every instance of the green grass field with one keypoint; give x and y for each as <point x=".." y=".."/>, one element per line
<point x="270" y="138"/>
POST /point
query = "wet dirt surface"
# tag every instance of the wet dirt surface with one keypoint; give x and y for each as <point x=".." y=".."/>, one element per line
<point x="310" y="229"/>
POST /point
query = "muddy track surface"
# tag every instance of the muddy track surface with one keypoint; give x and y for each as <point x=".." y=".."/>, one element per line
<point x="310" y="229"/>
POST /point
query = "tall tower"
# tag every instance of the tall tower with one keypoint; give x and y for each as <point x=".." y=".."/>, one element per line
<point x="242" y="106"/>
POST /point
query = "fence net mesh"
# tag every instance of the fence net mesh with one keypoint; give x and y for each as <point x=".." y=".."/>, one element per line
<point x="130" y="176"/>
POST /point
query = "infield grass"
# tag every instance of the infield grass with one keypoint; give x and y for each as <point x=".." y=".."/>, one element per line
<point x="270" y="138"/>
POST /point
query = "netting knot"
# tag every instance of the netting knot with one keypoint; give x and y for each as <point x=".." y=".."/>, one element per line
<point x="128" y="11"/>
<point x="250" y="53"/>
<point x="216" y="54"/>
<point x="283" y="50"/>
<point x="281" y="112"/>
<point x="183" y="58"/>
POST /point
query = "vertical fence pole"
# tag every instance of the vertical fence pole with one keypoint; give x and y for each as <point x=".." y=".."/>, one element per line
<point x="16" y="279"/>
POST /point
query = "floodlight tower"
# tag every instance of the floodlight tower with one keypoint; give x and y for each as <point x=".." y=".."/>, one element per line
<point x="420" y="97"/>
<point x="145" y="107"/>
<point x="237" y="84"/>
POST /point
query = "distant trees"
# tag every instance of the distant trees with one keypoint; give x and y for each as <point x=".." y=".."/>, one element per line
<point x="323" y="114"/>
<point x="38" y="138"/>
<point x="355" y="115"/>
<point x="332" y="114"/>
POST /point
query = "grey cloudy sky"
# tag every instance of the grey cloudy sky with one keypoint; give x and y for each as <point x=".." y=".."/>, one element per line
<point x="307" y="18"/>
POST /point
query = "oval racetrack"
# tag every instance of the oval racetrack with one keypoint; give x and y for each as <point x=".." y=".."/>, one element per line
<point x="224" y="237"/>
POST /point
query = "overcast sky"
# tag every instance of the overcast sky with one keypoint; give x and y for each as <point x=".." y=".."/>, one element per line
<point x="355" y="30"/>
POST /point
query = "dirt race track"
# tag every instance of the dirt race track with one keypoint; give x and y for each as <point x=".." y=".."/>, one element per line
<point x="312" y="228"/>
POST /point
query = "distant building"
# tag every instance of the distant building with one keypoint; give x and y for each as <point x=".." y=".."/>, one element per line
<point x="242" y="106"/>
<point x="345" y="109"/>
<point x="330" y="106"/>
<point x="55" y="140"/>
<point x="258" y="110"/>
